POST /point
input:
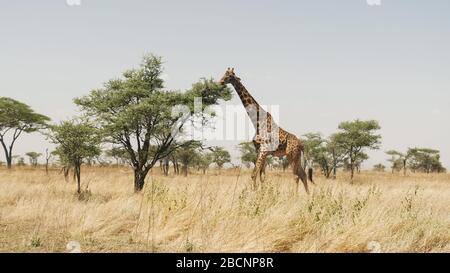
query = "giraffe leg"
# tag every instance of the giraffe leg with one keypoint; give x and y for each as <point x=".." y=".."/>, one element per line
<point x="300" y="172"/>
<point x="262" y="173"/>
<point x="260" y="161"/>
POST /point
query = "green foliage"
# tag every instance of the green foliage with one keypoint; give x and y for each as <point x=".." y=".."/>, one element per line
<point x="21" y="161"/>
<point x="35" y="241"/>
<point x="325" y="153"/>
<point x="354" y="137"/>
<point x="136" y="114"/>
<point x="119" y="154"/>
<point x="424" y="160"/>
<point x="203" y="160"/>
<point x="379" y="168"/>
<point x="417" y="159"/>
<point x="187" y="154"/>
<point x="248" y="153"/>
<point x="76" y="141"/>
<point x="16" y="118"/>
<point x="398" y="160"/>
<point x="220" y="156"/>
<point x="33" y="157"/>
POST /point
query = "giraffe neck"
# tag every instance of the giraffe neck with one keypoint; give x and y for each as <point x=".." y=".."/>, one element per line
<point x="254" y="110"/>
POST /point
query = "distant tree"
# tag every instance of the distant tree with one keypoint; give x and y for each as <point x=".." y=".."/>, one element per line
<point x="359" y="159"/>
<point x="17" y="118"/>
<point x="164" y="164"/>
<point x="424" y="160"/>
<point x="48" y="155"/>
<point x="76" y="140"/>
<point x="204" y="160"/>
<point x="398" y="160"/>
<point x="284" y="163"/>
<point x="33" y="158"/>
<point x="1" y="163"/>
<point x="327" y="154"/>
<point x="354" y="137"/>
<point x="316" y="151"/>
<point x="248" y="153"/>
<point x="271" y="162"/>
<point x="220" y="156"/>
<point x="337" y="154"/>
<point x="176" y="165"/>
<point x="64" y="162"/>
<point x="21" y="161"/>
<point x="379" y="168"/>
<point x="15" y="158"/>
<point x="136" y="114"/>
<point x="187" y="154"/>
<point x="119" y="154"/>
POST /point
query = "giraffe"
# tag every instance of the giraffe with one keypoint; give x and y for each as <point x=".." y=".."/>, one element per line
<point x="269" y="139"/>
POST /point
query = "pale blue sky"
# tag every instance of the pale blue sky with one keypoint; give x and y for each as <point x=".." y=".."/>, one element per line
<point x="321" y="61"/>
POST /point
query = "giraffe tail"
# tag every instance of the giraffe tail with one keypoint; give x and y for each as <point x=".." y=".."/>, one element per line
<point x="310" y="175"/>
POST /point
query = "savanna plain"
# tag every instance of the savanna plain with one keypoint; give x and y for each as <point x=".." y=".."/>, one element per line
<point x="220" y="212"/>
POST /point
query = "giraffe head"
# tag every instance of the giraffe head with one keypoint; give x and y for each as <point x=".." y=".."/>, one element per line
<point x="229" y="77"/>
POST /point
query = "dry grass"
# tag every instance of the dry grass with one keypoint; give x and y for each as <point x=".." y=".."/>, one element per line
<point x="218" y="213"/>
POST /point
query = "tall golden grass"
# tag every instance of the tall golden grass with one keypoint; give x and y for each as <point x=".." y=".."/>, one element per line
<point x="221" y="213"/>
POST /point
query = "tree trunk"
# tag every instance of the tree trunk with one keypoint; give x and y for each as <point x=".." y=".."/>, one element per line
<point x="139" y="179"/>
<point x="185" y="170"/>
<point x="404" y="167"/>
<point x="9" y="162"/>
<point x="78" y="177"/>
<point x="352" y="170"/>
<point x="74" y="177"/>
<point x="66" y="173"/>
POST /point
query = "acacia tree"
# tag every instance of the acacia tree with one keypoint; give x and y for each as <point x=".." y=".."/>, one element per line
<point x="136" y="114"/>
<point x="284" y="163"/>
<point x="336" y="153"/>
<point x="248" y="153"/>
<point x="119" y="154"/>
<point x="48" y="156"/>
<point x="424" y="160"/>
<point x="21" y="161"/>
<point x="220" y="156"/>
<point x="33" y="157"/>
<point x="187" y="154"/>
<point x="326" y="153"/>
<point x="316" y="151"/>
<point x="76" y="141"/>
<point x="17" y="118"/>
<point x="398" y="159"/>
<point x="356" y="136"/>
<point x="203" y="160"/>
<point x="359" y="159"/>
<point x="379" y="168"/>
